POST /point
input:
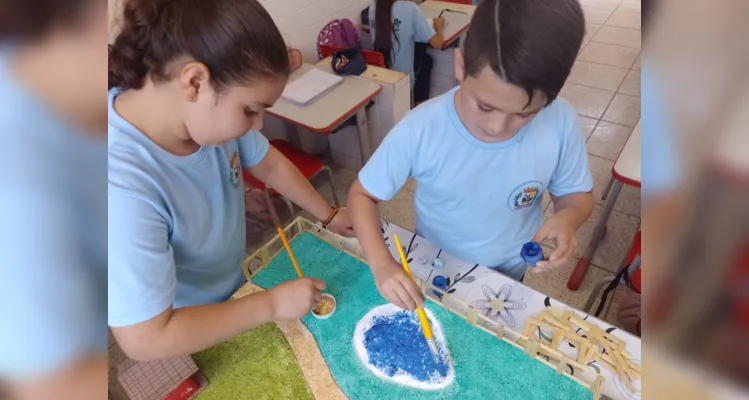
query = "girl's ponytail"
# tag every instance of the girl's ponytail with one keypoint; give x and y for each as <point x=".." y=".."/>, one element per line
<point x="128" y="56"/>
<point x="235" y="39"/>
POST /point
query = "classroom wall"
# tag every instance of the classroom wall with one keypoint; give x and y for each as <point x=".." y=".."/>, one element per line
<point x="300" y="21"/>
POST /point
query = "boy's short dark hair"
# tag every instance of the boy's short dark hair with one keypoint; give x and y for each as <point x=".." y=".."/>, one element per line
<point x="528" y="43"/>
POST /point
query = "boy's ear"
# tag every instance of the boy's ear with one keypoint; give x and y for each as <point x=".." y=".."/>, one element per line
<point x="459" y="66"/>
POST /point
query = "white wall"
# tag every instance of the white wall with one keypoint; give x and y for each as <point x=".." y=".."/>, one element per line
<point x="300" y="21"/>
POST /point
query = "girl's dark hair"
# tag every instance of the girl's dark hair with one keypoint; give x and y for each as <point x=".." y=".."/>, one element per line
<point x="384" y="30"/>
<point x="30" y="19"/>
<point x="530" y="43"/>
<point x="235" y="39"/>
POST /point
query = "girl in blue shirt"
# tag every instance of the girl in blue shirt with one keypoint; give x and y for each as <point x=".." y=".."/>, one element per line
<point x="190" y="81"/>
<point x="396" y="26"/>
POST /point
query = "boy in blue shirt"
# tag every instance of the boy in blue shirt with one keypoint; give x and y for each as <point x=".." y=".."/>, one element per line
<point x="483" y="154"/>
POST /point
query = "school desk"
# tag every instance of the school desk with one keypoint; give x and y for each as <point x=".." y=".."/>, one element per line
<point x="331" y="110"/>
<point x="466" y="283"/>
<point x="458" y="19"/>
<point x="626" y="170"/>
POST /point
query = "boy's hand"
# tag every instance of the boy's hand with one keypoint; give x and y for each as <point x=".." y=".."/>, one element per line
<point x="397" y="287"/>
<point x="341" y="224"/>
<point x="439" y="24"/>
<point x="295" y="299"/>
<point x="558" y="229"/>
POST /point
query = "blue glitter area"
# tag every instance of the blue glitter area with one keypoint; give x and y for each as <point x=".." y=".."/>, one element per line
<point x="395" y="343"/>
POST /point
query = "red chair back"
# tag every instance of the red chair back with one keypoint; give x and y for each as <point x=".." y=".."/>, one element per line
<point x="370" y="57"/>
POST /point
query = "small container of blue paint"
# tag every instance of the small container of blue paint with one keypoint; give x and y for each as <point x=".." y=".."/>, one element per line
<point x="440" y="282"/>
<point x="532" y="253"/>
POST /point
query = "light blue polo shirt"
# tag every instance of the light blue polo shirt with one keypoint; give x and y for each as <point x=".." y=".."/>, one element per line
<point x="661" y="161"/>
<point x="480" y="201"/>
<point x="53" y="230"/>
<point x="176" y="223"/>
<point x="411" y="26"/>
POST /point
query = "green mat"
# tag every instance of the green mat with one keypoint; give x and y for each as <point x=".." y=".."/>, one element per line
<point x="484" y="366"/>
<point x="259" y="364"/>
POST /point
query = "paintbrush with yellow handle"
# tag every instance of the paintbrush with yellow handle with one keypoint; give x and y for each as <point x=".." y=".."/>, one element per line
<point x="281" y="233"/>
<point x="419" y="310"/>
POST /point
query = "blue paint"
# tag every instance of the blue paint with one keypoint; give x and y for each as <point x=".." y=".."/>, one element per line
<point x="396" y="343"/>
<point x="532" y="253"/>
<point x="440" y="282"/>
<point x="437" y="263"/>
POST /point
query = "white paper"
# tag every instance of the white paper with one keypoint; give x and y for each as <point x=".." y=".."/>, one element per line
<point x="310" y="86"/>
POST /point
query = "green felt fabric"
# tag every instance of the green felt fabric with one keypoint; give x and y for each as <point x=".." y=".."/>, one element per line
<point x="484" y="366"/>
<point x="259" y="364"/>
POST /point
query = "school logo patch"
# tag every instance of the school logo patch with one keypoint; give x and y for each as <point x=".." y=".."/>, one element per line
<point x="236" y="169"/>
<point x="524" y="195"/>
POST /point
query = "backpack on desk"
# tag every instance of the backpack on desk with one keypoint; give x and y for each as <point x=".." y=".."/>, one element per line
<point x="338" y="33"/>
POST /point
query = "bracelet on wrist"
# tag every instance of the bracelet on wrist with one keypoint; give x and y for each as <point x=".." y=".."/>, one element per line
<point x="328" y="220"/>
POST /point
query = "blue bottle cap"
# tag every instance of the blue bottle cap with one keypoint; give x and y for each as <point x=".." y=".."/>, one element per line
<point x="532" y="253"/>
<point x="439" y="282"/>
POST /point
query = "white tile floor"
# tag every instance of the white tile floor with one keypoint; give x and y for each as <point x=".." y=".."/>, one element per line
<point x="604" y="88"/>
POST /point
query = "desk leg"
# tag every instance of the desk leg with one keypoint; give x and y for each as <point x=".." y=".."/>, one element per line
<point x="365" y="142"/>
<point x="578" y="274"/>
<point x="292" y="134"/>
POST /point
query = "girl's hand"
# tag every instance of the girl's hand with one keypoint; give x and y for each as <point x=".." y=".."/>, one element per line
<point x="439" y="24"/>
<point x="341" y="224"/>
<point x="558" y="229"/>
<point x="295" y="299"/>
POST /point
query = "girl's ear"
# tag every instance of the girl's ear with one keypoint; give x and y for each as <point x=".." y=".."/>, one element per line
<point x="193" y="77"/>
<point x="459" y="66"/>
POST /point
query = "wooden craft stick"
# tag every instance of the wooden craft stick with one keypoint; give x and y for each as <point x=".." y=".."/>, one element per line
<point x="531" y="348"/>
<point x="561" y="366"/>
<point x="471" y="316"/>
<point x="529" y="327"/>
<point x="596" y="387"/>
<point x="500" y="331"/>
<point x="546" y="316"/>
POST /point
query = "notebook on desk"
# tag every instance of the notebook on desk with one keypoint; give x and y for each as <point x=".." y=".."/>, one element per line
<point x="311" y="86"/>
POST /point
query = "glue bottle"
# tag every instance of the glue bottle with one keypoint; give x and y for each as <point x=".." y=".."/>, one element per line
<point x="532" y="253"/>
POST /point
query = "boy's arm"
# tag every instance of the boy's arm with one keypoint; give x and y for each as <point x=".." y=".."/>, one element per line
<point x="571" y="188"/>
<point x="385" y="173"/>
<point x="570" y="212"/>
<point x="392" y="281"/>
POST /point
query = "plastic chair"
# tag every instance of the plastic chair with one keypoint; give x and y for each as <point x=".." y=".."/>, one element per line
<point x="310" y="166"/>
<point x="631" y="263"/>
<point x="370" y="57"/>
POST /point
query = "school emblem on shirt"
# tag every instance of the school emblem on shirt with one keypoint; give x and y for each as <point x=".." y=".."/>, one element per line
<point x="524" y="195"/>
<point x="236" y="169"/>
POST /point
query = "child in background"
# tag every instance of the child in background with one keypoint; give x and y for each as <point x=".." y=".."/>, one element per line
<point x="400" y="25"/>
<point x="484" y="153"/>
<point x="190" y="81"/>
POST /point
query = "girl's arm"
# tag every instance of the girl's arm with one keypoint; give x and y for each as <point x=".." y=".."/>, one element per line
<point x="191" y="329"/>
<point x="438" y="39"/>
<point x="278" y="172"/>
